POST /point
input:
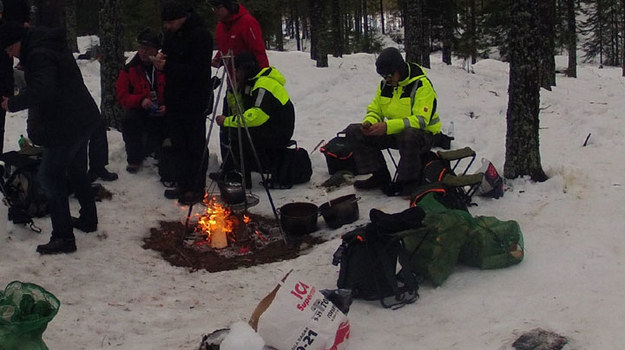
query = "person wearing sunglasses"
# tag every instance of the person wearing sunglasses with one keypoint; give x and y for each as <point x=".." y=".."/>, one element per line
<point x="402" y="115"/>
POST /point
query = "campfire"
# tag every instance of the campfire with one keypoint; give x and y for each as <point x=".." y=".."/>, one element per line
<point x="222" y="237"/>
<point x="220" y="227"/>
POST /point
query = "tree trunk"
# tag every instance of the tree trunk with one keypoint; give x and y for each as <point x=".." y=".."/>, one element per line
<point x="382" y="17"/>
<point x="279" y="34"/>
<point x="112" y="61"/>
<point x="337" y="29"/>
<point x="547" y="15"/>
<point x="412" y="30"/>
<point x="447" y="22"/>
<point x="314" y="19"/>
<point x="522" y="146"/>
<point x="365" y="28"/>
<point x="623" y="14"/>
<point x="473" y="30"/>
<point x="571" y="41"/>
<point x="70" y="24"/>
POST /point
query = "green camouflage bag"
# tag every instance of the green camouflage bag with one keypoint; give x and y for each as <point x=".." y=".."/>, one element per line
<point x="25" y="311"/>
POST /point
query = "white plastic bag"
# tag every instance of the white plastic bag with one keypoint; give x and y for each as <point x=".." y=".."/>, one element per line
<point x="296" y="316"/>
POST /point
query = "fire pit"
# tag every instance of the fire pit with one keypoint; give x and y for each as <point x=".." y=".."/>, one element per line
<point x="223" y="237"/>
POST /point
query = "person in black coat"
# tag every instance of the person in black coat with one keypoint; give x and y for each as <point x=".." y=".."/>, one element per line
<point x="62" y="116"/>
<point x="185" y="59"/>
<point x="6" y="82"/>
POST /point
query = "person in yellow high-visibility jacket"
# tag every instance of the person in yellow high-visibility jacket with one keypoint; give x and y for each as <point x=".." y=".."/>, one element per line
<point x="264" y="108"/>
<point x="403" y="115"/>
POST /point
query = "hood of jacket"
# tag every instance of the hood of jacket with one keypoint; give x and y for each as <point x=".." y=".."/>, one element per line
<point x="235" y="16"/>
<point x="271" y="73"/>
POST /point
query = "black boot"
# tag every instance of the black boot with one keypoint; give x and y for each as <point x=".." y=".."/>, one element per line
<point x="102" y="174"/>
<point x="379" y="178"/>
<point x="84" y="225"/>
<point x="57" y="245"/>
<point x="173" y="193"/>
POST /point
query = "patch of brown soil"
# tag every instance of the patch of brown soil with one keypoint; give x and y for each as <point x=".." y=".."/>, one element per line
<point x="171" y="239"/>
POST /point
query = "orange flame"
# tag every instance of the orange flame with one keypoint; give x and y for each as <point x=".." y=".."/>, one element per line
<point x="216" y="218"/>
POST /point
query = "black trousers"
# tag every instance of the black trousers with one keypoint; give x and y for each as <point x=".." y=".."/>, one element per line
<point x="265" y="140"/>
<point x="143" y="134"/>
<point x="99" y="146"/>
<point x="368" y="155"/>
<point x="187" y="130"/>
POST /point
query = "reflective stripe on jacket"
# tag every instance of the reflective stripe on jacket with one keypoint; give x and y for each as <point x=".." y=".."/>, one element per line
<point x="411" y="104"/>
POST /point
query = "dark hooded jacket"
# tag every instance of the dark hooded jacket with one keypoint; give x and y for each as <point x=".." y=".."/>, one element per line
<point x="188" y="66"/>
<point x="61" y="109"/>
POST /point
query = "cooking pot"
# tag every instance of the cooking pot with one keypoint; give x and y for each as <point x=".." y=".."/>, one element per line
<point x="340" y="211"/>
<point x="231" y="188"/>
<point x="299" y="218"/>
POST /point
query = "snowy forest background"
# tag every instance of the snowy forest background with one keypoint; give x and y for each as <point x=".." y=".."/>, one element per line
<point x="525" y="33"/>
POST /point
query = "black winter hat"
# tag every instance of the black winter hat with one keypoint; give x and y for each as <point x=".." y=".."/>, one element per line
<point x="10" y="33"/>
<point x="149" y="38"/>
<point x="231" y="5"/>
<point x="246" y="61"/>
<point x="389" y="61"/>
<point x="173" y="10"/>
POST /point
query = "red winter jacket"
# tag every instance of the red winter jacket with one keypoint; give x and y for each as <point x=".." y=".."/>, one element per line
<point x="241" y="33"/>
<point x="133" y="86"/>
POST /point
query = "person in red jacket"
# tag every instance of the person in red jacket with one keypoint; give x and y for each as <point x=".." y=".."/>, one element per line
<point x="237" y="31"/>
<point x="140" y="89"/>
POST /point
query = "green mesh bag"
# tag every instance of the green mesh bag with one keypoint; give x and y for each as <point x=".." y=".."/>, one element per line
<point x="434" y="248"/>
<point x="493" y="244"/>
<point x="25" y="311"/>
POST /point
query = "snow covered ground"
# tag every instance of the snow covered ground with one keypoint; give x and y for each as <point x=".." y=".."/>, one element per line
<point x="115" y="294"/>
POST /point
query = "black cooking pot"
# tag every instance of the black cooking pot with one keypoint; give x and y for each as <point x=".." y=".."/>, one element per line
<point x="231" y="188"/>
<point x="340" y="211"/>
<point x="299" y="218"/>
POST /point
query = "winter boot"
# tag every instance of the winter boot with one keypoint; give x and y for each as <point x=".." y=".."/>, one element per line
<point x="379" y="178"/>
<point x="84" y="225"/>
<point x="57" y="245"/>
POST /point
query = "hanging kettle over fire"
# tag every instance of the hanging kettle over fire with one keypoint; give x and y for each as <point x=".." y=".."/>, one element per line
<point x="231" y="188"/>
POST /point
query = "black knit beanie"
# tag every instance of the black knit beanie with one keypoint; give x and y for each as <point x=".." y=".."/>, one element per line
<point x="246" y="62"/>
<point x="389" y="61"/>
<point x="231" y="5"/>
<point x="173" y="10"/>
<point x="149" y="38"/>
<point x="10" y="33"/>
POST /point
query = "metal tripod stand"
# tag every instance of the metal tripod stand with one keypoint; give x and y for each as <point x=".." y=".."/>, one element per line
<point x="228" y="61"/>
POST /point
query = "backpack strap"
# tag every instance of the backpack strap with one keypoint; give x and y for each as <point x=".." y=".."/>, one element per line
<point x="405" y="294"/>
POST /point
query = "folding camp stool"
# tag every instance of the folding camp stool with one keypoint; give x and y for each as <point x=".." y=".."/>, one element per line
<point x="467" y="185"/>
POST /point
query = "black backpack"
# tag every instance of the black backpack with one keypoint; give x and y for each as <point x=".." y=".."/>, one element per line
<point x="368" y="259"/>
<point x="21" y="188"/>
<point x="292" y="168"/>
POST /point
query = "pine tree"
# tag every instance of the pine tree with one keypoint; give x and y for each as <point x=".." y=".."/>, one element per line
<point x="522" y="146"/>
<point x="112" y="60"/>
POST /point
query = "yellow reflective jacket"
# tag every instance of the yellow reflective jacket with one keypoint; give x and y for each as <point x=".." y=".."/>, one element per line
<point x="411" y="104"/>
<point x="264" y="101"/>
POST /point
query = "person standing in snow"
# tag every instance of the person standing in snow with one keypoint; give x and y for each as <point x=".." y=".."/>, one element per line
<point x="266" y="108"/>
<point x="6" y="82"/>
<point x="237" y="32"/>
<point x="62" y="116"/>
<point x="403" y="115"/>
<point x="140" y="88"/>
<point x="185" y="60"/>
